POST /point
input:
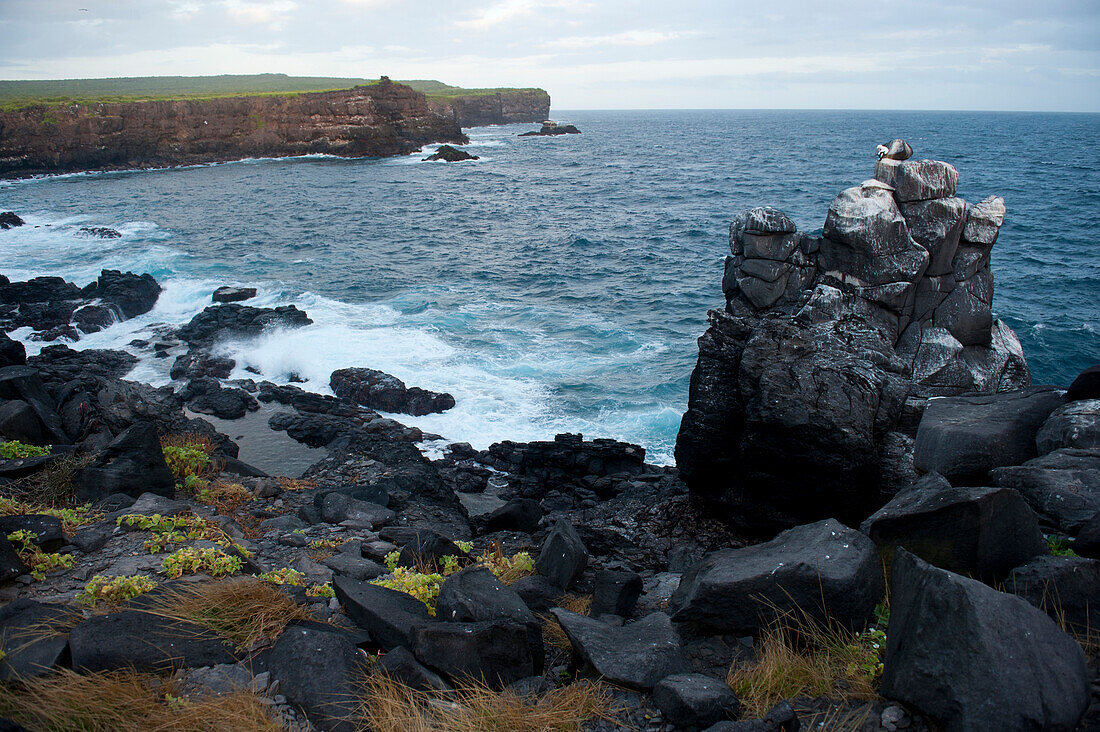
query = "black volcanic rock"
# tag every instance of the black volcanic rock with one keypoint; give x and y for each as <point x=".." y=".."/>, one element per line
<point x="132" y="294"/>
<point x="450" y="155"/>
<point x="552" y="128"/>
<point x="378" y="390"/>
<point x="1085" y="386"/>
<point x="637" y="654"/>
<point x="132" y="463"/>
<point x="231" y="321"/>
<point x="12" y="352"/>
<point x="8" y="220"/>
<point x="226" y="294"/>
<point x="98" y="232"/>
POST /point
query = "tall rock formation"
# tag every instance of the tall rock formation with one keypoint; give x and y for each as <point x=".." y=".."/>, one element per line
<point x="502" y="108"/>
<point x="375" y="120"/>
<point x="810" y="383"/>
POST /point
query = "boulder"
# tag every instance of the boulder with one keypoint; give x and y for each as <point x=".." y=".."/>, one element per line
<point x="497" y="652"/>
<point x="1066" y="588"/>
<point x="695" y="701"/>
<point x="1088" y="538"/>
<point x="206" y="395"/>
<point x="98" y="232"/>
<point x="47" y="529"/>
<point x="823" y="569"/>
<point x="11" y="566"/>
<point x="615" y="593"/>
<point x="918" y="180"/>
<point x="194" y="365"/>
<point x="637" y="654"/>
<point x="378" y="390"/>
<point x="973" y="658"/>
<point x="387" y="615"/>
<point x="220" y="322"/>
<point x="227" y="294"/>
<point x="8" y="220"/>
<point x="1076" y="424"/>
<point x="19" y="421"/>
<point x="426" y="548"/>
<point x="984" y="220"/>
<point x="131" y="294"/>
<point x="337" y="507"/>
<point x="12" y="352"/>
<point x="318" y="669"/>
<point x="401" y="665"/>
<point x="133" y="463"/>
<point x="355" y="567"/>
<point x="537" y="592"/>
<point x="966" y="311"/>
<point x="29" y="649"/>
<point x="450" y="154"/>
<point x="93" y="318"/>
<point x="475" y="594"/>
<point x="1063" y="487"/>
<point x="983" y="532"/>
<point x="780" y="718"/>
<point x="144" y="642"/>
<point x="562" y="555"/>
<point x="963" y="438"/>
<point x="1085" y="386"/>
<point x="936" y="225"/>
<point x="24" y="383"/>
<point x="518" y="514"/>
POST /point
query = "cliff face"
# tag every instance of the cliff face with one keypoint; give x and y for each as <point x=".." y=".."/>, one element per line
<point x="517" y="105"/>
<point x="379" y="120"/>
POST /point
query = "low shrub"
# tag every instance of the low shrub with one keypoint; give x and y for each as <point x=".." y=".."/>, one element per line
<point x="113" y="590"/>
<point x="204" y="560"/>
<point x="424" y="586"/>
<point x="170" y="530"/>
<point x="71" y="518"/>
<point x="15" y="449"/>
<point x="1060" y="546"/>
<point x="52" y="485"/>
<point x="38" y="562"/>
<point x="188" y="455"/>
<point x="284" y="576"/>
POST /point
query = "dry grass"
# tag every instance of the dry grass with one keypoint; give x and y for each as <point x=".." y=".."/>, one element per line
<point x="798" y="655"/>
<point x="228" y="499"/>
<point x="126" y="702"/>
<point x="390" y="706"/>
<point x="244" y="610"/>
<point x="52" y="486"/>
<point x="295" y="484"/>
<point x="552" y="634"/>
<point x="836" y="719"/>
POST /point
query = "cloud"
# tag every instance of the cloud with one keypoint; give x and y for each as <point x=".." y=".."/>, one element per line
<point x="270" y="13"/>
<point x="625" y="38"/>
<point x="509" y="10"/>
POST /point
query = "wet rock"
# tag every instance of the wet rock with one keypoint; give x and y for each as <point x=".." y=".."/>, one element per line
<point x="378" y="390"/>
<point x="30" y="650"/>
<point x="918" y="180"/>
<point x="206" y="395"/>
<point x="12" y="352"/>
<point x="1076" y="424"/>
<point x="1063" y="487"/>
<point x="615" y="593"/>
<point x="194" y="365"/>
<point x="232" y="321"/>
<point x="98" y="232"/>
<point x="145" y="642"/>
<point x="498" y="652"/>
<point x="450" y="155"/>
<point x="1066" y="588"/>
<point x="131" y="294"/>
<point x="817" y="568"/>
<point x="132" y="463"/>
<point x="562" y="555"/>
<point x="976" y="659"/>
<point x="695" y="701"/>
<point x="550" y="128"/>
<point x="93" y="318"/>
<point x="1085" y="386"/>
<point x="983" y="532"/>
<point x="318" y="669"/>
<point x="637" y="654"/>
<point x="8" y="220"/>
<point x="227" y="294"/>
<point x="963" y="438"/>
<point x="387" y="615"/>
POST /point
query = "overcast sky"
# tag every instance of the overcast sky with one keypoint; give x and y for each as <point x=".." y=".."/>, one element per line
<point x="599" y="54"/>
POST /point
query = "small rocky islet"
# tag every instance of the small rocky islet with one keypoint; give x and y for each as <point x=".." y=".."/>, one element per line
<point x="866" y="480"/>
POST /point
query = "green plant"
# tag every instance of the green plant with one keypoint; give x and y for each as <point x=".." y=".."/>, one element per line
<point x="507" y="569"/>
<point x="421" y="585"/>
<point x="15" y="449"/>
<point x="205" y="560"/>
<point x="391" y="560"/>
<point x="170" y="530"/>
<point x="466" y="546"/>
<point x="113" y="590"/>
<point x="324" y="590"/>
<point x="284" y="576"/>
<point x="1060" y="546"/>
<point x="71" y="518"/>
<point x="186" y="462"/>
<point x="38" y="562"/>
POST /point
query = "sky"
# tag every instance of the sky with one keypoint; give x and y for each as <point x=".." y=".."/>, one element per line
<point x="598" y="54"/>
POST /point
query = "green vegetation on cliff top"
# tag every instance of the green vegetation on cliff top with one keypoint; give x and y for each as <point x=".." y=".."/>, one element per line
<point x="19" y="94"/>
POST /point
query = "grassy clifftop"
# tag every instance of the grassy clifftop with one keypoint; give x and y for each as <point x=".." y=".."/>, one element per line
<point x="19" y="94"/>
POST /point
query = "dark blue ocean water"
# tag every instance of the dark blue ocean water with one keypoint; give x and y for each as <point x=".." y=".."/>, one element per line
<point x="557" y="283"/>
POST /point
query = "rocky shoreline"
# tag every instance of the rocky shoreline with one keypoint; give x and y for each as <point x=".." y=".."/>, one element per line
<point x="866" y="483"/>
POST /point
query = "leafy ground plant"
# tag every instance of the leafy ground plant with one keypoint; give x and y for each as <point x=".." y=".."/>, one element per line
<point x="195" y="560"/>
<point x="14" y="449"/>
<point x="1060" y="546"/>
<point x="71" y="518"/>
<point x="189" y="455"/>
<point x="799" y="655"/>
<point x="127" y="702"/>
<point x="391" y="706"/>
<point x="38" y="562"/>
<point x="113" y="590"/>
<point x="170" y="530"/>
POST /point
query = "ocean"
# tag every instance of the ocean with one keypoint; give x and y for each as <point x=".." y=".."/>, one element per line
<point x="556" y="284"/>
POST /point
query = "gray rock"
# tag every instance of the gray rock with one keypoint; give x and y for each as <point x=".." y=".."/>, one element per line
<point x="936" y="225"/>
<point x="761" y="220"/>
<point x="1085" y="386"/>
<point x="286" y="523"/>
<point x="695" y="701"/>
<point x="338" y="507"/>
<point x="132" y="463"/>
<point x="145" y="642"/>
<point x="497" y="652"/>
<point x="780" y="718"/>
<point x="19" y="421"/>
<point x="1088" y="538"/>
<point x="47" y="529"/>
<point x="966" y="312"/>
<point x="969" y="260"/>
<point x="475" y="594"/>
<point x="148" y="504"/>
<point x="355" y="567"/>
<point x="562" y="556"/>
<point x="387" y="615"/>
<point x="1065" y="588"/>
<point x="401" y="665"/>
<point x="518" y="514"/>
<point x="963" y="438"/>
<point x="983" y="532"/>
<point x="984" y="220"/>
<point x="822" y="568"/>
<point x="918" y="180"/>
<point x="616" y="593"/>
<point x="226" y="293"/>
<point x="1076" y="424"/>
<point x="765" y="269"/>
<point x="895" y="150"/>
<point x="29" y="649"/>
<point x="537" y="592"/>
<point x="637" y="654"/>
<point x="760" y="293"/>
<point x="1063" y="486"/>
<point x="973" y="658"/>
<point x="92" y="538"/>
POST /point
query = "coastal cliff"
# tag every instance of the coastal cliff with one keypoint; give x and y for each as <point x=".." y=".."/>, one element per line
<point x="377" y="120"/>
<point x="503" y="107"/>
